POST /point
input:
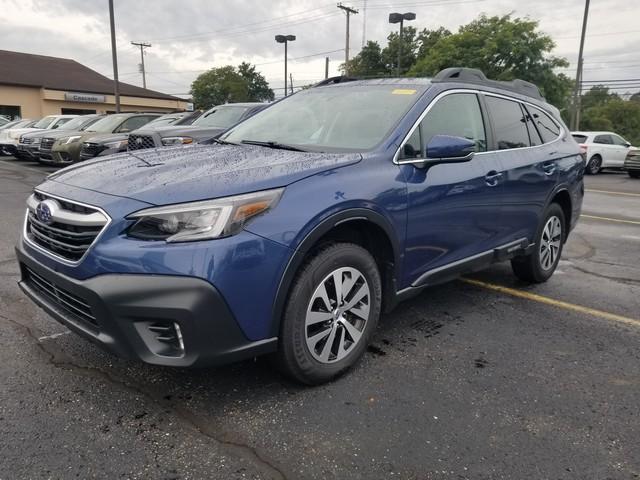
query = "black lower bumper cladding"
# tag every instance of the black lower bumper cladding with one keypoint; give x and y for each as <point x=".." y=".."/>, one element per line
<point x="159" y="319"/>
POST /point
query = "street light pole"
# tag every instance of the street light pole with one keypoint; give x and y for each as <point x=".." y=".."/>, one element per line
<point x="114" y="55"/>
<point x="575" y="118"/>
<point x="400" y="18"/>
<point x="285" y="39"/>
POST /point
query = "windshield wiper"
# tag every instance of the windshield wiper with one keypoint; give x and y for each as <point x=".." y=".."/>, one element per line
<point x="219" y="141"/>
<point x="276" y="145"/>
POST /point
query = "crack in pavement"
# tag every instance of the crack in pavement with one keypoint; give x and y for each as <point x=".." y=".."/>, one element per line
<point x="626" y="281"/>
<point x="59" y="359"/>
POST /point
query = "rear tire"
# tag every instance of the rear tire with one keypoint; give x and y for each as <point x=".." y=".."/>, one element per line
<point x="595" y="165"/>
<point x="538" y="266"/>
<point x="331" y="314"/>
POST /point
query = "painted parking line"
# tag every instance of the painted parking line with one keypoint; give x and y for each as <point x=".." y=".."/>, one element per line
<point x="553" y="302"/>
<point x="609" y="219"/>
<point x="625" y="194"/>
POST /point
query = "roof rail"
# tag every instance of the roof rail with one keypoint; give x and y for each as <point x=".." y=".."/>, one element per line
<point x="334" y="80"/>
<point x="477" y="77"/>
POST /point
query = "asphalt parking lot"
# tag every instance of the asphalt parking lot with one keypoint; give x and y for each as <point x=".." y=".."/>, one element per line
<point x="482" y="378"/>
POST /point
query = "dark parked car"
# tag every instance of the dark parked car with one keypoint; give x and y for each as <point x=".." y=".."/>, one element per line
<point x="301" y="225"/>
<point x="632" y="163"/>
<point x="107" y="135"/>
<point x="209" y="124"/>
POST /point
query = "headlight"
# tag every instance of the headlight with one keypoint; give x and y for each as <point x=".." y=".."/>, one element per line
<point x="117" y="145"/>
<point x="201" y="220"/>
<point x="14" y="135"/>
<point x="167" y="141"/>
<point x="73" y="139"/>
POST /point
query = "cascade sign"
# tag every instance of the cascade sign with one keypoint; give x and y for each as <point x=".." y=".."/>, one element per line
<point x="84" y="97"/>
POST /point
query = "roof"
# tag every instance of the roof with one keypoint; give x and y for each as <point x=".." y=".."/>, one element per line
<point x="25" y="69"/>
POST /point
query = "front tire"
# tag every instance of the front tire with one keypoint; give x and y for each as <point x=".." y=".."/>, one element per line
<point x="595" y="165"/>
<point x="332" y="311"/>
<point x="633" y="174"/>
<point x="538" y="266"/>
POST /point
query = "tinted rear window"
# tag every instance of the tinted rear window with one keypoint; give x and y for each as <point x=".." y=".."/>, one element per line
<point x="548" y="129"/>
<point x="580" y="138"/>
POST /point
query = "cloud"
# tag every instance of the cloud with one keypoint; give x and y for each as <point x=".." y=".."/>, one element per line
<point x="194" y="35"/>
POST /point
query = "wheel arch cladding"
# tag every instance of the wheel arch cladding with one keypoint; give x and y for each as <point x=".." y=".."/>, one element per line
<point x="359" y="226"/>
<point x="563" y="199"/>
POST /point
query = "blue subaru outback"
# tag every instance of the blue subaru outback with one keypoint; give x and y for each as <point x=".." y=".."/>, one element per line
<point x="294" y="231"/>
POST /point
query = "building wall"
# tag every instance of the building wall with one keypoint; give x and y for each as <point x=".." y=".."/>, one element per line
<point x="38" y="102"/>
<point x="29" y="99"/>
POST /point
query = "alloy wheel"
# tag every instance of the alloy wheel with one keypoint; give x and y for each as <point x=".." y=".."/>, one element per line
<point x="337" y="315"/>
<point x="594" y="166"/>
<point x="550" y="243"/>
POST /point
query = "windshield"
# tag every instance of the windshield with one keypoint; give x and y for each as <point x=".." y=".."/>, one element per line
<point x="75" y="123"/>
<point x="107" y="124"/>
<point x="341" y="118"/>
<point x="44" y="122"/>
<point x="222" y="117"/>
<point x="162" y="121"/>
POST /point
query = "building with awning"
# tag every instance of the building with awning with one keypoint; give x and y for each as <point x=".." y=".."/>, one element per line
<point x="32" y="86"/>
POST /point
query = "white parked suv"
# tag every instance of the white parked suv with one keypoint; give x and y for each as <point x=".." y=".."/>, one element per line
<point x="10" y="137"/>
<point x="603" y="150"/>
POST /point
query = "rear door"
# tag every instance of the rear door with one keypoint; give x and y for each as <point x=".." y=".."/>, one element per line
<point x="523" y="143"/>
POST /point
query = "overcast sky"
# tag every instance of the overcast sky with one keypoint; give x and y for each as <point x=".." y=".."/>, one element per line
<point x="190" y="36"/>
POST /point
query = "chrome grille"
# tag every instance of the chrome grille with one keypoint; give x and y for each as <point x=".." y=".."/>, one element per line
<point x="70" y="303"/>
<point x="139" y="142"/>
<point x="25" y="141"/>
<point x="47" y="143"/>
<point x="68" y="229"/>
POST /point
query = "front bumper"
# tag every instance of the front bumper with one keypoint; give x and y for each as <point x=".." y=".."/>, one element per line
<point x="27" y="152"/>
<point x="133" y="315"/>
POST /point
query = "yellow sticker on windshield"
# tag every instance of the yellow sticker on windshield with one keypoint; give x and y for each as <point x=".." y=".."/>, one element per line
<point x="403" y="91"/>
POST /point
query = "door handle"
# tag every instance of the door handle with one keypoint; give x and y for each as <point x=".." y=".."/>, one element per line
<point x="492" y="178"/>
<point x="549" y="168"/>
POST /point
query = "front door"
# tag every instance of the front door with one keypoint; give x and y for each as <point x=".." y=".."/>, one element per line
<point x="454" y="209"/>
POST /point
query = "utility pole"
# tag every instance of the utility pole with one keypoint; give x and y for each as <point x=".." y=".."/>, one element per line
<point x="575" y="118"/>
<point x="114" y="55"/>
<point x="291" y="83"/>
<point x="348" y="11"/>
<point x="364" y="23"/>
<point x="326" y="67"/>
<point x="142" y="46"/>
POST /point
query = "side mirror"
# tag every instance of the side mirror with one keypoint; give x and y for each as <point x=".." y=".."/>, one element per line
<point x="627" y="144"/>
<point x="446" y="148"/>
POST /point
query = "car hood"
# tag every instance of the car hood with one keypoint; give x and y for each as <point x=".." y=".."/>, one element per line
<point x="182" y="130"/>
<point x="103" y="137"/>
<point x="61" y="133"/>
<point x="197" y="172"/>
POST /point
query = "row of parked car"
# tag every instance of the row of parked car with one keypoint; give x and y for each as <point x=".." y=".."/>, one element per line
<point x="66" y="139"/>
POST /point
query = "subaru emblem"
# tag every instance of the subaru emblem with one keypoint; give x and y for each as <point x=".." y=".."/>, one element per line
<point x="139" y="141"/>
<point x="44" y="212"/>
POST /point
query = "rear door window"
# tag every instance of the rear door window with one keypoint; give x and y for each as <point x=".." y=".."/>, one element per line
<point x="548" y="129"/>
<point x="603" y="139"/>
<point x="509" y="122"/>
<point x="534" y="136"/>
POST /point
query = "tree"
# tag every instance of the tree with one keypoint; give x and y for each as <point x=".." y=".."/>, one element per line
<point x="635" y="97"/>
<point x="230" y="85"/>
<point x="504" y="48"/>
<point x="368" y="63"/>
<point x="408" y="47"/>
<point x="616" y="115"/>
<point x="428" y="38"/>
<point x="597" y="96"/>
<point x="259" y="90"/>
